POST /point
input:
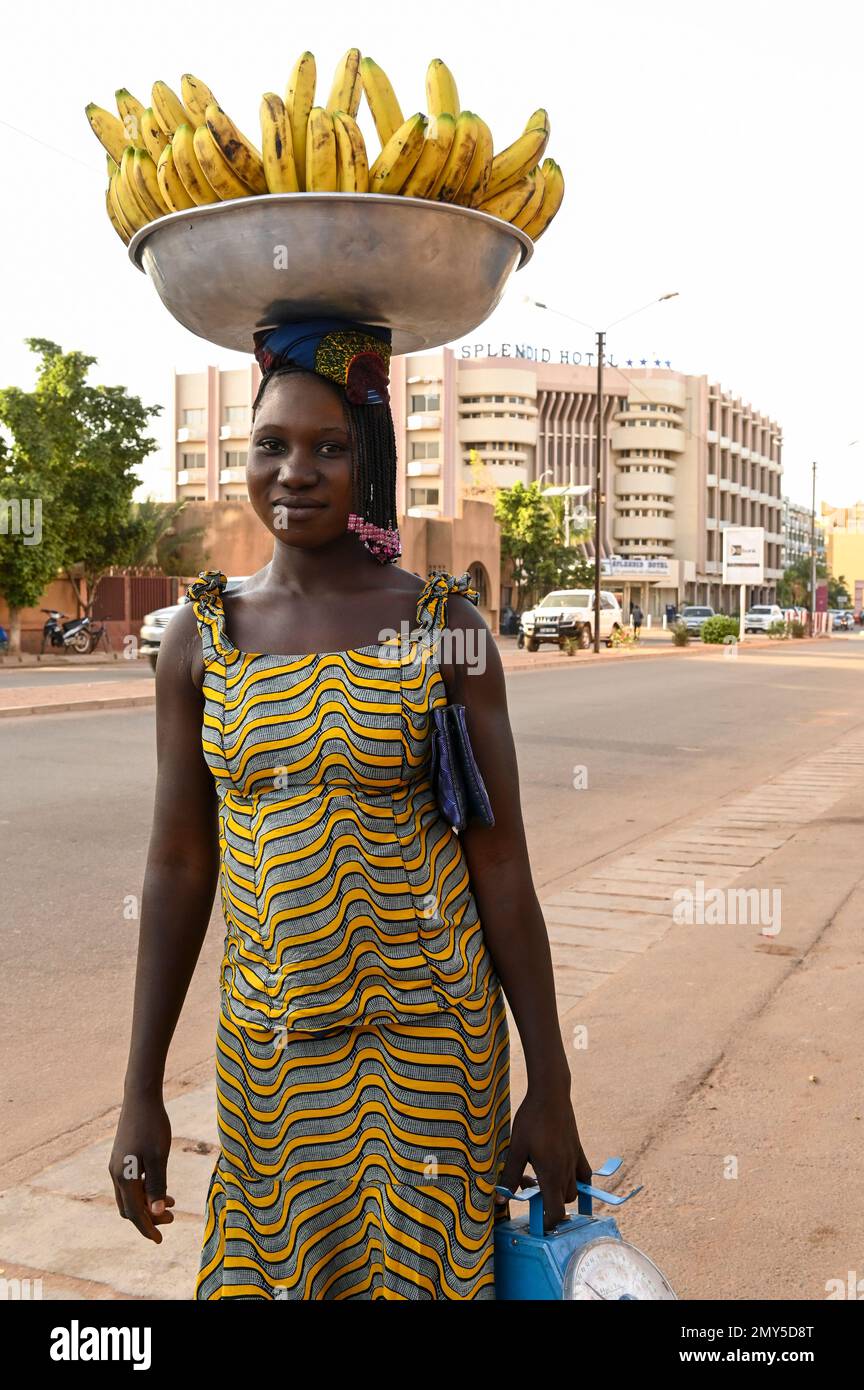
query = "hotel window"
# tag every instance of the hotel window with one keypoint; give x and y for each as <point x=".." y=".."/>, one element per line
<point x="423" y="497"/>
<point x="425" y="448"/>
<point x="193" y="417"/>
<point x="236" y="458"/>
<point x="420" y="404"/>
<point x="193" y="461"/>
<point x="236" y="415"/>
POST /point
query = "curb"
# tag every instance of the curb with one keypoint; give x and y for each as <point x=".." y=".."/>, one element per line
<point x="72" y="706"/>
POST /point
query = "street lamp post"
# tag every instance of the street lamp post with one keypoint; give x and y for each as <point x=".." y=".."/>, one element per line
<point x="598" y="489"/>
<point x="813" y="558"/>
<point x="598" y="462"/>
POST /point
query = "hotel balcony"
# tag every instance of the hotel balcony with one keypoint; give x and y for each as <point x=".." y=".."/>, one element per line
<point x="185" y="476"/>
<point x="423" y="468"/>
<point x="236" y="429"/>
<point x="484" y="431"/>
<point x="232" y="475"/>
<point x="428" y="420"/>
<point x="187" y="433"/>
<point x="644" y="484"/>
<point x="647" y="437"/>
<point x="659" y="528"/>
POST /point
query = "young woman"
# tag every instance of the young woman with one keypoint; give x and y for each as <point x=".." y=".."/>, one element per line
<point x="362" y="1044"/>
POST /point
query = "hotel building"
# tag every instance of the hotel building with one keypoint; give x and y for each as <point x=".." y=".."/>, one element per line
<point x="682" y="460"/>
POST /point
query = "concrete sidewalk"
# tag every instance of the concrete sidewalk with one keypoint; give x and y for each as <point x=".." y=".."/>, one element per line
<point x="692" y="1046"/>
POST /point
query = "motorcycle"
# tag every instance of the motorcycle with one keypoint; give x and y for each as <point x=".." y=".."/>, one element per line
<point x="73" y="635"/>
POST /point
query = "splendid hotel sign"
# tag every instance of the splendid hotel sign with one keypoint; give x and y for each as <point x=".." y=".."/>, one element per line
<point x="531" y="353"/>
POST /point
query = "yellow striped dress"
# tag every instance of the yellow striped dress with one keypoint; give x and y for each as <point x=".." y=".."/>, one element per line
<point x="363" y="1096"/>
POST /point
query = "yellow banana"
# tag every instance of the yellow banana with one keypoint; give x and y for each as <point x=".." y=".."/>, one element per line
<point x="153" y="136"/>
<point x="147" y="184"/>
<point x="513" y="164"/>
<point x="352" y="164"/>
<point x="108" y="129"/>
<point x="197" y="96"/>
<point x="134" y="210"/>
<point x="132" y="115"/>
<point x="126" y="225"/>
<point x="322" y="174"/>
<point x="458" y="161"/>
<point x="115" y="221"/>
<point x="436" y="147"/>
<point x="524" y="215"/>
<point x="473" y="188"/>
<point x="510" y="202"/>
<point x="399" y="156"/>
<point x="170" y="183"/>
<point x="441" y="93"/>
<point x="347" y="85"/>
<point x="190" y="171"/>
<point x="553" y="194"/>
<point x="221" y="177"/>
<point x="239" y="153"/>
<point x="169" y="109"/>
<point x="277" y="146"/>
<point x="299" y="100"/>
<point x="386" y="111"/>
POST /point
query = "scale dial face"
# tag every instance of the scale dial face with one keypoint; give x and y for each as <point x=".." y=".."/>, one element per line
<point x="608" y="1269"/>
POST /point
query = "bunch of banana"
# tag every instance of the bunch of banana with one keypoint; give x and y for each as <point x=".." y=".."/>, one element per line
<point x="184" y="151"/>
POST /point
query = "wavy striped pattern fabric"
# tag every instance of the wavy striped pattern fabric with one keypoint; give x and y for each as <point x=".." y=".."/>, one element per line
<point x="363" y="1088"/>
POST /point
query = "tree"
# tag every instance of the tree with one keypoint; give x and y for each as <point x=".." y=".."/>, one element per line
<point x="532" y="537"/>
<point x="793" y="591"/>
<point x="75" y="447"/>
<point x="158" y="544"/>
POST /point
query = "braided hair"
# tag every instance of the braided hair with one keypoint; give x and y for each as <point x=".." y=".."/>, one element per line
<point x="373" y="446"/>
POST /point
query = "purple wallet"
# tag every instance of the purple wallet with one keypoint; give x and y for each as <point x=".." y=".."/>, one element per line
<point x="459" y="788"/>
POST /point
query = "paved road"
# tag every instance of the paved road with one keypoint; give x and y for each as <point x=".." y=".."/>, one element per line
<point x="660" y="740"/>
<point x="52" y="676"/>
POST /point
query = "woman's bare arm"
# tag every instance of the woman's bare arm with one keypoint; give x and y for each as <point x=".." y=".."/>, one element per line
<point x="511" y="916"/>
<point x="179" y="887"/>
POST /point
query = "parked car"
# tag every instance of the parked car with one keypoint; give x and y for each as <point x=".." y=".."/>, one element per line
<point x="762" y="616"/>
<point x="694" y="615"/>
<point x="842" y="619"/>
<point x="570" y="613"/>
<point x="155" y="623"/>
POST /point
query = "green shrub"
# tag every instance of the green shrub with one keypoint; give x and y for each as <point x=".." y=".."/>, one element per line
<point x="717" y="628"/>
<point x="778" y="630"/>
<point x="680" y="635"/>
<point x="797" y="628"/>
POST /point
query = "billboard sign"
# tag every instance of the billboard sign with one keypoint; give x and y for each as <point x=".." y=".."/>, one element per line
<point x="744" y="555"/>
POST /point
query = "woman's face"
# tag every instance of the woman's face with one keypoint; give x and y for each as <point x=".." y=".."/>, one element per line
<point x="299" y="469"/>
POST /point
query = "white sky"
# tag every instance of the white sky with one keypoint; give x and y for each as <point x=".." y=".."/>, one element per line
<point x="713" y="149"/>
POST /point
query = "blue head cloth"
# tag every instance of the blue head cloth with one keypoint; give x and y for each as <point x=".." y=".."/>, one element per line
<point x="354" y="355"/>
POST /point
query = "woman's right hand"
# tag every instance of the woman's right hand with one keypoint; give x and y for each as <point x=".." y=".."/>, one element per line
<point x="139" y="1163"/>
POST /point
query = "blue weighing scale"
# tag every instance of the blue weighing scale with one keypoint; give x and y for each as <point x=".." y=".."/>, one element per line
<point x="583" y="1258"/>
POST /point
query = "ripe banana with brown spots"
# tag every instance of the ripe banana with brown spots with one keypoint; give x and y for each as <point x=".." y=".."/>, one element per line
<point x="553" y="194"/>
<point x="277" y="146"/>
<point x="299" y="100"/>
<point x="436" y="147"/>
<point x="347" y="86"/>
<point x="351" y="160"/>
<point x="239" y="153"/>
<point x="399" y="156"/>
<point x="322" y="174"/>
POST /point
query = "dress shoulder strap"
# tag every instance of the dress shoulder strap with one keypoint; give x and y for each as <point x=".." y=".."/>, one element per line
<point x="432" y="599"/>
<point x="205" y="595"/>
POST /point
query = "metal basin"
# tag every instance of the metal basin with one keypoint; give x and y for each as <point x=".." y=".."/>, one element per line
<point x="431" y="272"/>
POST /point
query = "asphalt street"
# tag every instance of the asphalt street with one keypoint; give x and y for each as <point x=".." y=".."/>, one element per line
<point x="656" y="741"/>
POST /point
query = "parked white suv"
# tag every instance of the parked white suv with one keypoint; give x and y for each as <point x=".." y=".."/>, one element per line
<point x="762" y="616"/>
<point x="570" y="613"/>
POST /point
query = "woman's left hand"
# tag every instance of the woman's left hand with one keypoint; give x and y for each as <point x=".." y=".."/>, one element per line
<point x="544" y="1136"/>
